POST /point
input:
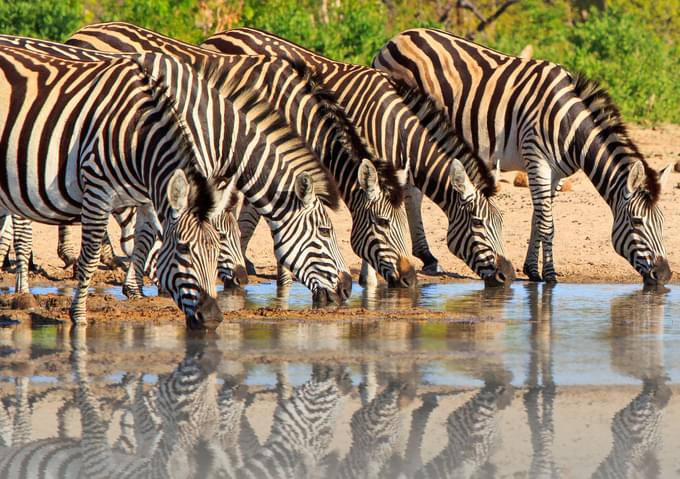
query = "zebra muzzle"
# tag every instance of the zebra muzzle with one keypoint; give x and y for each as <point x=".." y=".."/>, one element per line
<point x="207" y="314"/>
<point x="504" y="274"/>
<point x="239" y="277"/>
<point x="406" y="275"/>
<point x="660" y="273"/>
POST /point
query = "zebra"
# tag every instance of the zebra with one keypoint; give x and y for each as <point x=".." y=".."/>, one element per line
<point x="472" y="431"/>
<point x="268" y="149"/>
<point x="371" y="188"/>
<point x="301" y="433"/>
<point x="412" y="135"/>
<point x="67" y="156"/>
<point x="536" y="116"/>
<point x="182" y="399"/>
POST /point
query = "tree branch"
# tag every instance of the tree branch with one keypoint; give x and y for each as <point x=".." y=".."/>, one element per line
<point x="486" y="22"/>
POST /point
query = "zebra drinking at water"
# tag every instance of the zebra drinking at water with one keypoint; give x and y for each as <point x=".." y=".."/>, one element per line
<point x="535" y="115"/>
<point x="370" y="187"/>
<point x="77" y="138"/>
<point x="276" y="171"/>
<point x="412" y="134"/>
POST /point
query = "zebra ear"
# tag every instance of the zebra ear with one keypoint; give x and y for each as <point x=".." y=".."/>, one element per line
<point x="664" y="175"/>
<point x="459" y="179"/>
<point x="402" y="176"/>
<point x="178" y="190"/>
<point x="497" y="173"/>
<point x="367" y="176"/>
<point x="636" y="177"/>
<point x="225" y="191"/>
<point x="304" y="188"/>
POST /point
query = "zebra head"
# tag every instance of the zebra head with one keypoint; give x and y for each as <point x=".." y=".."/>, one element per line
<point x="305" y="243"/>
<point x="475" y="230"/>
<point x="638" y="224"/>
<point x="231" y="267"/>
<point x="379" y="223"/>
<point x="187" y="259"/>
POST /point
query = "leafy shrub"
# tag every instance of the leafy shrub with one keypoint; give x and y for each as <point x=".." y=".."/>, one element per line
<point x="52" y="20"/>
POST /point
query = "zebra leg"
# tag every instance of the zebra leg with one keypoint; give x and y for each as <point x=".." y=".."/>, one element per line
<point x="413" y="200"/>
<point x="6" y="239"/>
<point x="284" y="277"/>
<point x="23" y="246"/>
<point x="146" y="232"/>
<point x="367" y="277"/>
<point x="107" y="257"/>
<point x="126" y="219"/>
<point x="66" y="250"/>
<point x="247" y="222"/>
<point x="542" y="187"/>
<point x="95" y="220"/>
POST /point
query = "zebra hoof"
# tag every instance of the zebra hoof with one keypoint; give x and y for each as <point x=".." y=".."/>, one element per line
<point x="532" y="274"/>
<point x="432" y="269"/>
<point x="250" y="267"/>
<point x="132" y="292"/>
<point x="550" y="278"/>
<point x="69" y="261"/>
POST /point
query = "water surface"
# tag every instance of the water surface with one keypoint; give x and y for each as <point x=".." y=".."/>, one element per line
<point x="564" y="381"/>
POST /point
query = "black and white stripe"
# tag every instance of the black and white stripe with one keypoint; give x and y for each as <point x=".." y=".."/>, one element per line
<point x="369" y="187"/>
<point x="411" y="134"/>
<point x="267" y="161"/>
<point x="536" y="116"/>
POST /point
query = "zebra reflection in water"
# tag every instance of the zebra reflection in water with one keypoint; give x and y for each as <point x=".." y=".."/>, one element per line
<point x="636" y="428"/>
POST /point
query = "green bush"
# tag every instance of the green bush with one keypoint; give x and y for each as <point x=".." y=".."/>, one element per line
<point x="52" y="20"/>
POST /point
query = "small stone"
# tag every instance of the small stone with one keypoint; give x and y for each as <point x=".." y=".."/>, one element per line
<point x="521" y="180"/>
<point x="567" y="186"/>
<point x="677" y="167"/>
<point x="24" y="301"/>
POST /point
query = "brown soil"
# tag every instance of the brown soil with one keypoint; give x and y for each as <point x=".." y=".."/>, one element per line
<point x="583" y="250"/>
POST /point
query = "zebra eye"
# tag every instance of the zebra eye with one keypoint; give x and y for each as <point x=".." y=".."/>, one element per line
<point x="477" y="221"/>
<point x="325" y="231"/>
<point x="223" y="236"/>
<point x="382" y="222"/>
<point x="182" y="248"/>
<point x="637" y="221"/>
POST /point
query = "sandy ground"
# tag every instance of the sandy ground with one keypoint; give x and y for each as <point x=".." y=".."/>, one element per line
<point x="583" y="250"/>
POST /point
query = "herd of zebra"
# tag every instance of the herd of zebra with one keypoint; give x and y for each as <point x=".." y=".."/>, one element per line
<point x="169" y="136"/>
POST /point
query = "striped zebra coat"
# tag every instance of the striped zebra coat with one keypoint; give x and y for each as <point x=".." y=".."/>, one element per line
<point x="411" y="134"/>
<point x="370" y="187"/>
<point x="536" y="116"/>
<point x="275" y="170"/>
<point x="79" y="139"/>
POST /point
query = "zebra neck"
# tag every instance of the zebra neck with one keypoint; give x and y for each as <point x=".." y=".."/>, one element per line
<point x="603" y="157"/>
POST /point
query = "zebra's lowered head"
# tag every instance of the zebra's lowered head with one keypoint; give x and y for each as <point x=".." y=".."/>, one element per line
<point x="187" y="259"/>
<point x="379" y="220"/>
<point x="314" y="256"/>
<point x="475" y="229"/>
<point x="638" y="223"/>
<point x="231" y="269"/>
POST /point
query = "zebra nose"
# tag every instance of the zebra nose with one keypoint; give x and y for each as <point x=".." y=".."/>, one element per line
<point x="660" y="273"/>
<point x="407" y="273"/>
<point x="344" y="288"/>
<point x="239" y="277"/>
<point x="504" y="274"/>
<point x="207" y="314"/>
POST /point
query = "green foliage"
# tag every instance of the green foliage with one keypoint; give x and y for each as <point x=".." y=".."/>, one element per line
<point x="52" y="20"/>
<point x="353" y="31"/>
<point x="635" y="63"/>
<point x="633" y="48"/>
<point x="173" y="17"/>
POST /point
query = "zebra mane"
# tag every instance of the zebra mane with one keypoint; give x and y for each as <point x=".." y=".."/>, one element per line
<point x="201" y="201"/>
<point x="247" y="99"/>
<point x="606" y="115"/>
<point x="424" y="107"/>
<point x="349" y="137"/>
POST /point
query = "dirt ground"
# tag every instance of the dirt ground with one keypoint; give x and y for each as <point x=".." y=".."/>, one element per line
<point x="583" y="250"/>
